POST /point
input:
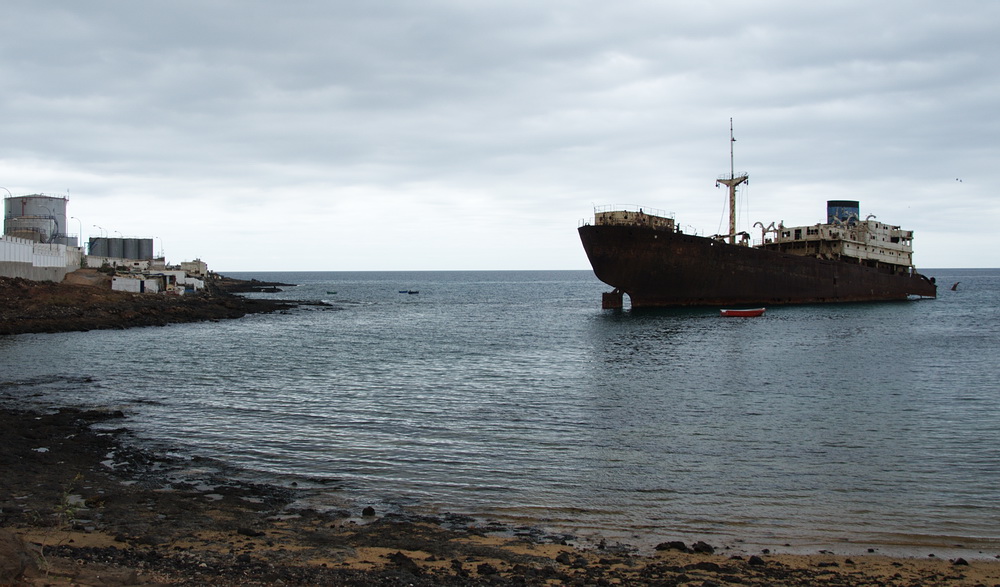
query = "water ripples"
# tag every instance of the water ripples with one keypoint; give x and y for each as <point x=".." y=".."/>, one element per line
<point x="512" y="395"/>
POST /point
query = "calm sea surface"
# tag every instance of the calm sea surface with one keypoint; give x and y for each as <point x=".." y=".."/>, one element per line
<point x="513" y="396"/>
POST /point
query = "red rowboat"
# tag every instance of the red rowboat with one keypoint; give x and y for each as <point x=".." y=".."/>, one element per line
<point x="743" y="313"/>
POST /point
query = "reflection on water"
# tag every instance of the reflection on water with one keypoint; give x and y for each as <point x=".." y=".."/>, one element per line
<point x="511" y="394"/>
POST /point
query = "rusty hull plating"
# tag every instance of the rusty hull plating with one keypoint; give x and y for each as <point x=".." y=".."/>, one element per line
<point x="658" y="266"/>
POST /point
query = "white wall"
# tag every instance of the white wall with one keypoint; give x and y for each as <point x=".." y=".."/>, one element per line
<point x="36" y="261"/>
<point x="134" y="285"/>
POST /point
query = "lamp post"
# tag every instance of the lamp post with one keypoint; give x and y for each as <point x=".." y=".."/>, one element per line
<point x="100" y="229"/>
<point x="79" y="236"/>
<point x="8" y="191"/>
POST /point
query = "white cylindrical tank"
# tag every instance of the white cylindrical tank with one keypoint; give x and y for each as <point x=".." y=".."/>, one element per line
<point x="36" y="217"/>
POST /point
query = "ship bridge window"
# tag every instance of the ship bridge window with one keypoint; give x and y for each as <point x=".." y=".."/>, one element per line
<point x="798" y="233"/>
<point x="812" y="231"/>
<point x="786" y="233"/>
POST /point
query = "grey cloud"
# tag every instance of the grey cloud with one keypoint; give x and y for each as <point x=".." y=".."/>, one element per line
<point x="517" y="101"/>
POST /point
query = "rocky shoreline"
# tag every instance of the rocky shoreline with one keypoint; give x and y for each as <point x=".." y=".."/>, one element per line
<point x="85" y="302"/>
<point x="81" y="506"/>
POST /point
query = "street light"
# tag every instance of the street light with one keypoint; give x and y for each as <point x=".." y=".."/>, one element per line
<point x="79" y="237"/>
<point x="8" y="191"/>
<point x="101" y="229"/>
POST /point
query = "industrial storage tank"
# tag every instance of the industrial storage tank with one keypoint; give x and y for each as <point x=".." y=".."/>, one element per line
<point x="37" y="218"/>
<point x="115" y="248"/>
<point x="130" y="248"/>
<point x="145" y="248"/>
<point x="121" y="248"/>
<point x="98" y="246"/>
<point x="848" y="211"/>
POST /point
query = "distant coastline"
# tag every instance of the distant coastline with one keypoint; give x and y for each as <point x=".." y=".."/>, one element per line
<point x="42" y="306"/>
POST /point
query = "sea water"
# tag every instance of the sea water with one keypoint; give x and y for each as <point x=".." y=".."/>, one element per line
<point x="512" y="396"/>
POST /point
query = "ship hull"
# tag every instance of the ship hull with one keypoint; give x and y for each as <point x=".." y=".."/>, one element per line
<point x="658" y="268"/>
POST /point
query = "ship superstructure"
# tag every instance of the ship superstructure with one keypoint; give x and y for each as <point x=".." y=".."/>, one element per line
<point x="845" y="237"/>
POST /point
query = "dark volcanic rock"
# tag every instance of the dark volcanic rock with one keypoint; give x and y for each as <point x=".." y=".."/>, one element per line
<point x="705" y="566"/>
<point x="38" y="306"/>
<point x="405" y="563"/>
<point x="672" y="545"/>
<point x="229" y="285"/>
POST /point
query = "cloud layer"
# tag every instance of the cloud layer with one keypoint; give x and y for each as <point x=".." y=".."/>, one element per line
<point x="457" y="135"/>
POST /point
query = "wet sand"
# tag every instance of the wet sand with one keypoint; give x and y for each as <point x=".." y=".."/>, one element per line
<point x="82" y="506"/>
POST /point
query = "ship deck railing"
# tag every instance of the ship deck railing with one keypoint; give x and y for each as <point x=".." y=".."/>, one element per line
<point x="636" y="209"/>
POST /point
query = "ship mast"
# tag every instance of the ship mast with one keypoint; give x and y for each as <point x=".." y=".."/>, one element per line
<point x="732" y="181"/>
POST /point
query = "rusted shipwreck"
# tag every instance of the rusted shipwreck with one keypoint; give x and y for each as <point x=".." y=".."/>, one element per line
<point x="644" y="254"/>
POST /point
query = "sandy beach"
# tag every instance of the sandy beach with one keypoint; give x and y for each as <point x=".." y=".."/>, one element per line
<point x="80" y="506"/>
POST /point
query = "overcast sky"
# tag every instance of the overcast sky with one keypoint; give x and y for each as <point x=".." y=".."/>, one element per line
<point x="425" y="135"/>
